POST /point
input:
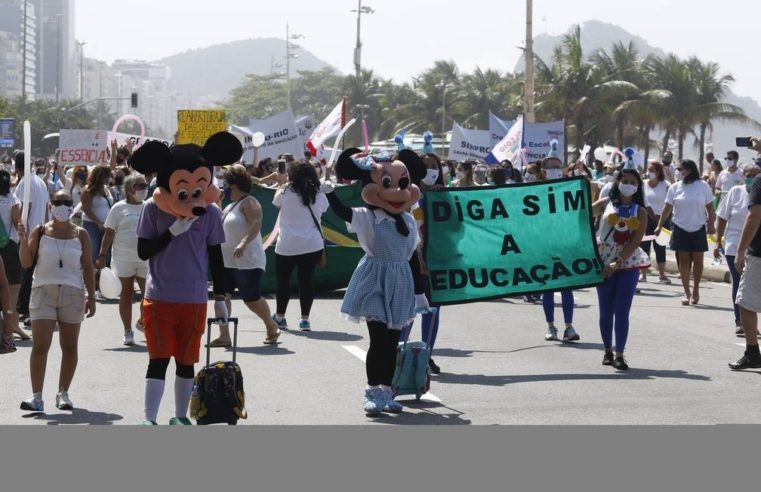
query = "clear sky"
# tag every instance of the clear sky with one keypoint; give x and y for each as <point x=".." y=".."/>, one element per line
<point x="403" y="37"/>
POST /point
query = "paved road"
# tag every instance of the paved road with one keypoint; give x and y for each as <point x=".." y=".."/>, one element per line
<point x="497" y="369"/>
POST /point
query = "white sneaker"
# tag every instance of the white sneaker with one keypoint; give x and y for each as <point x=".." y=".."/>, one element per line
<point x="62" y="401"/>
<point x="129" y="338"/>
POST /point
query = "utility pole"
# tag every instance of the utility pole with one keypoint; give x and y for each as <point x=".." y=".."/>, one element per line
<point x="528" y="108"/>
<point x="288" y="56"/>
<point x="358" y="49"/>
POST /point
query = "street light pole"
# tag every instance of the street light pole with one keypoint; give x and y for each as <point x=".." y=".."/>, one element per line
<point x="358" y="49"/>
<point x="529" y="55"/>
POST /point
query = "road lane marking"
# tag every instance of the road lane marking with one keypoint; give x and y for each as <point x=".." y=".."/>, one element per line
<point x="362" y="355"/>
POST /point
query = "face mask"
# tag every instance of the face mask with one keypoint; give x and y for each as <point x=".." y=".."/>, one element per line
<point x="627" y="190"/>
<point x="652" y="176"/>
<point x="553" y="173"/>
<point x="141" y="195"/>
<point x="610" y="178"/>
<point x="730" y="163"/>
<point x="678" y="176"/>
<point x="61" y="213"/>
<point x="81" y="176"/>
<point x="445" y="170"/>
<point x="430" y="177"/>
<point x="530" y="178"/>
<point x="459" y="174"/>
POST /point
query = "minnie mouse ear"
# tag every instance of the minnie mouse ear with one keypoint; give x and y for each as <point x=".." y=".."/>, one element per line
<point x="221" y="149"/>
<point x="345" y="167"/>
<point x="151" y="157"/>
<point x="414" y="164"/>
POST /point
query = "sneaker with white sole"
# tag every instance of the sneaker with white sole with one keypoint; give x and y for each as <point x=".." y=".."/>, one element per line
<point x="389" y="404"/>
<point x="282" y="324"/>
<point x="129" y="338"/>
<point x="664" y="281"/>
<point x="305" y="325"/>
<point x="33" y="405"/>
<point x="552" y="334"/>
<point x="373" y="403"/>
<point x="62" y="401"/>
<point x="570" y="335"/>
<point x="180" y="421"/>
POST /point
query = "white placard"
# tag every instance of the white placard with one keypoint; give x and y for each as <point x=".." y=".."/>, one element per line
<point x="469" y="144"/>
<point x="83" y="147"/>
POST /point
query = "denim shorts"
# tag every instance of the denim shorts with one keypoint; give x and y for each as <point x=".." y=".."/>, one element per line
<point x="248" y="283"/>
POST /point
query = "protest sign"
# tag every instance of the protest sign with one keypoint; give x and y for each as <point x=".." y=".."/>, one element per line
<point x="509" y="147"/>
<point x="280" y="136"/>
<point x="468" y="144"/>
<point x="136" y="140"/>
<point x="83" y="147"/>
<point x="498" y="128"/>
<point x="488" y="243"/>
<point x="305" y="125"/>
<point x="197" y="125"/>
<point x="537" y="138"/>
<point x="7" y="133"/>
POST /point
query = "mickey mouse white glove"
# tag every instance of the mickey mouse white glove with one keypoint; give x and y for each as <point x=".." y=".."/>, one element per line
<point x="182" y="226"/>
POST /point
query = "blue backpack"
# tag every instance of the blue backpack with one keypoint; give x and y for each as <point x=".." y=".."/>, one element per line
<point x="412" y="375"/>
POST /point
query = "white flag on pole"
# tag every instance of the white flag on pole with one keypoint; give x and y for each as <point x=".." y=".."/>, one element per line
<point x="329" y="127"/>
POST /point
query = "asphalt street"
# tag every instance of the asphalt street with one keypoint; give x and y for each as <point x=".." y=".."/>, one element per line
<point x="496" y="369"/>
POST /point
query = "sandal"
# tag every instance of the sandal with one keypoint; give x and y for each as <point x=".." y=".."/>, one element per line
<point x="219" y="343"/>
<point x="272" y="340"/>
<point x="24" y="336"/>
<point x="695" y="300"/>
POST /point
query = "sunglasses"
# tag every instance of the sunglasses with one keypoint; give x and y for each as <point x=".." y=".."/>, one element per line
<point x="58" y="203"/>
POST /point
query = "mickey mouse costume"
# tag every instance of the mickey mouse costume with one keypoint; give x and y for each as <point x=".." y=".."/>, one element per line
<point x="381" y="291"/>
<point x="180" y="235"/>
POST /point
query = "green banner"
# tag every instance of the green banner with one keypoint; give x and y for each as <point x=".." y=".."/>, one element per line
<point x="489" y="243"/>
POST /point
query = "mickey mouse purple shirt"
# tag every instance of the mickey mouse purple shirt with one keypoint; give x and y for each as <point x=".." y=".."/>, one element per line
<point x="178" y="273"/>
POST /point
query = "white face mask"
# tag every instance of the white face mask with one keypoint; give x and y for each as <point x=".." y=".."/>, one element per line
<point x="459" y="174"/>
<point x="61" y="213"/>
<point x="652" y="176"/>
<point x="627" y="190"/>
<point x="445" y="170"/>
<point x="730" y="163"/>
<point x="553" y="173"/>
<point x="141" y="195"/>
<point x="678" y="176"/>
<point x="529" y="178"/>
<point x="430" y="177"/>
<point x="610" y="177"/>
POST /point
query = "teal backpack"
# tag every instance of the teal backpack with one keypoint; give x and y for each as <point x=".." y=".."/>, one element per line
<point x="412" y="375"/>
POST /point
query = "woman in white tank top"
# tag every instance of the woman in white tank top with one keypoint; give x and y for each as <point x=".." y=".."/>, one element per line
<point x="243" y="254"/>
<point x="61" y="255"/>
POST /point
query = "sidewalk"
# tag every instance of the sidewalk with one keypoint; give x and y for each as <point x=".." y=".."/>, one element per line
<point x="711" y="272"/>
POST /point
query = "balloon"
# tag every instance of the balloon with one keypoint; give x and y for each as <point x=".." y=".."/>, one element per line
<point x="130" y="117"/>
<point x="110" y="285"/>
<point x="257" y="139"/>
<point x="600" y="154"/>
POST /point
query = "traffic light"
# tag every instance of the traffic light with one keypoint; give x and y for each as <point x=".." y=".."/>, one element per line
<point x="134" y="99"/>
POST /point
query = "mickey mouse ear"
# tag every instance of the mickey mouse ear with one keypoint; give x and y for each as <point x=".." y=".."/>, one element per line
<point x="221" y="149"/>
<point x="345" y="168"/>
<point x="151" y="157"/>
<point x="414" y="164"/>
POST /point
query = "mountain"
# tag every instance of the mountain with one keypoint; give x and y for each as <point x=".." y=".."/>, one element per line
<point x="597" y="35"/>
<point x="211" y="73"/>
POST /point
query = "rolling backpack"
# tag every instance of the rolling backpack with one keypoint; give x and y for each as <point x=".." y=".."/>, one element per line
<point x="218" y="396"/>
<point x="412" y="376"/>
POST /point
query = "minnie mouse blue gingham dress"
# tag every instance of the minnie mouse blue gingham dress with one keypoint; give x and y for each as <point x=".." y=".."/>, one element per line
<point x="381" y="288"/>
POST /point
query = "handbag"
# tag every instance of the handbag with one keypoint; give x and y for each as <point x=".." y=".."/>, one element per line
<point x="323" y="261"/>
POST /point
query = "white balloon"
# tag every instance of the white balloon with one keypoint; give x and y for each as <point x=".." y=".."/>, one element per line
<point x="600" y="154"/>
<point x="110" y="285"/>
<point x="257" y="139"/>
<point x="663" y="239"/>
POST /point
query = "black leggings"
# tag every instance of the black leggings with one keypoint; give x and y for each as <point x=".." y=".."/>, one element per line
<point x="306" y="265"/>
<point x="660" y="251"/>
<point x="381" y="357"/>
<point x="157" y="370"/>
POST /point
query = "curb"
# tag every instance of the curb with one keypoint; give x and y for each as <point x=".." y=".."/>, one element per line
<point x="710" y="272"/>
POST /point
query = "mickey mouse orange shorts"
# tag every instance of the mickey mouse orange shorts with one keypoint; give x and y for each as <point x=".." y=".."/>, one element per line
<point x="174" y="330"/>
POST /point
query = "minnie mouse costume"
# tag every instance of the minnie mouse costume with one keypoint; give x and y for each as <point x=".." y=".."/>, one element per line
<point x="381" y="291"/>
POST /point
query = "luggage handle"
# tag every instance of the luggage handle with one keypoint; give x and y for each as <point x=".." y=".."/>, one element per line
<point x="434" y="313"/>
<point x="211" y="321"/>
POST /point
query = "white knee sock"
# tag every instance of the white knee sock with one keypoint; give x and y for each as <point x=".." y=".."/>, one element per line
<point x="154" y="390"/>
<point x="183" y="389"/>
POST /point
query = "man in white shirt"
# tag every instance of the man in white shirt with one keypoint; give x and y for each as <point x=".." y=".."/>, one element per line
<point x="730" y="177"/>
<point x="38" y="208"/>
